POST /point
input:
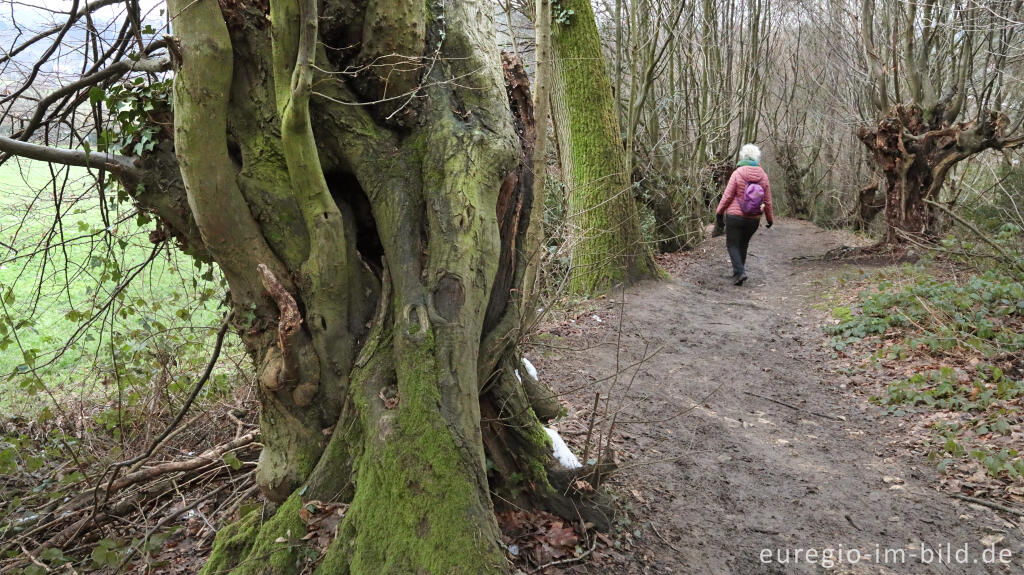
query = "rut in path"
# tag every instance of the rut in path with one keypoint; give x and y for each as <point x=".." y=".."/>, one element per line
<point x="749" y="446"/>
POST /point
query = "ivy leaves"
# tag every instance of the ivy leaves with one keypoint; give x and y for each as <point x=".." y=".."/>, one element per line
<point x="560" y="14"/>
<point x="132" y="107"/>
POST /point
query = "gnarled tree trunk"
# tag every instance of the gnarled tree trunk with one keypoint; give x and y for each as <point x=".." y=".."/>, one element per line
<point x="915" y="149"/>
<point x="867" y="207"/>
<point x="355" y="170"/>
<point x="793" y="176"/>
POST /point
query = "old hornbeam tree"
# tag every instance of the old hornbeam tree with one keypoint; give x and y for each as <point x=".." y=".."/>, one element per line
<point x="362" y="177"/>
<point x="926" y="120"/>
<point x="607" y="248"/>
<point x="915" y="149"/>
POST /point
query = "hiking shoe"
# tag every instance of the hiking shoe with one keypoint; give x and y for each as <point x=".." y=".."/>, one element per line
<point x="740" y="279"/>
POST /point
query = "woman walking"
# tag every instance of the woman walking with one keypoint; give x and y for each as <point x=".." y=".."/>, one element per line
<point x="747" y="196"/>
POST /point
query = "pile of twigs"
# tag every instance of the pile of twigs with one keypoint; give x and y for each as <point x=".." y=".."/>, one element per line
<point x="130" y="501"/>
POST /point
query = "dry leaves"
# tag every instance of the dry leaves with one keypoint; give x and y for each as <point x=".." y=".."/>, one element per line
<point x="322" y="520"/>
<point x="390" y="397"/>
<point x="536" y="538"/>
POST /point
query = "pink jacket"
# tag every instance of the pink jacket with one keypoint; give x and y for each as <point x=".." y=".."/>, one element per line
<point x="738" y="182"/>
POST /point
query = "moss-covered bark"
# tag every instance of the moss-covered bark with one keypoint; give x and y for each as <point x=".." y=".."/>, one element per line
<point x="374" y="253"/>
<point x="608" y="248"/>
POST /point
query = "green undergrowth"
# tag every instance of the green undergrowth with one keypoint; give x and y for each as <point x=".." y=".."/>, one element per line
<point x="91" y="311"/>
<point x="981" y="313"/>
<point x="103" y="334"/>
<point x="953" y="329"/>
<point x="987" y="406"/>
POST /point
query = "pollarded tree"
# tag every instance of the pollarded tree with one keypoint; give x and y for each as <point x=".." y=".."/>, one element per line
<point x="361" y="176"/>
<point x="940" y="97"/>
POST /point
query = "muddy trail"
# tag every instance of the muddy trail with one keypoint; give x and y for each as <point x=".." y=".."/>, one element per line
<point x="736" y="447"/>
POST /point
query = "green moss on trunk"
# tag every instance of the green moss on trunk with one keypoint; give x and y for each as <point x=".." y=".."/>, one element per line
<point x="414" y="472"/>
<point x="608" y="247"/>
<point x="233" y="544"/>
<point x="273" y="548"/>
<point x="414" y="485"/>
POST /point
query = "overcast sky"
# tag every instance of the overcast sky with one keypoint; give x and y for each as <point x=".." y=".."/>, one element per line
<point x="35" y="12"/>
<point x="31" y="16"/>
<point x="21" y="19"/>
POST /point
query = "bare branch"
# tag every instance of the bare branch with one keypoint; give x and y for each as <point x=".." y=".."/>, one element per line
<point x="153" y="65"/>
<point x="97" y="160"/>
<point x="88" y="9"/>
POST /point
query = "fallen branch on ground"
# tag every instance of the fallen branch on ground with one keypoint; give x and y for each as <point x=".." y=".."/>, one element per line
<point x="793" y="407"/>
<point x="55" y="527"/>
<point x="201" y="460"/>
<point x="1007" y="257"/>
<point x="990" y="504"/>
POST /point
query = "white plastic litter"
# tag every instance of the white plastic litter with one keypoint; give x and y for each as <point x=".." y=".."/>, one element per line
<point x="597" y="318"/>
<point x="530" y="369"/>
<point x="561" y="451"/>
<point x="519" y="377"/>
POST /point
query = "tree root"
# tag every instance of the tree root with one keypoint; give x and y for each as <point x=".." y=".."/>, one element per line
<point x="576" y="494"/>
<point x="883" y="253"/>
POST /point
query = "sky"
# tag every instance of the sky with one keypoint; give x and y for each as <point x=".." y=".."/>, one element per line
<point x="21" y="19"/>
<point x="34" y="12"/>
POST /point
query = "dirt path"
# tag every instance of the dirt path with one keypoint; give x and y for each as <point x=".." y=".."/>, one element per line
<point x="727" y="474"/>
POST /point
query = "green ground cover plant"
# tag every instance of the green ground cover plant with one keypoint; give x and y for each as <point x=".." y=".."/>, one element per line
<point x="951" y="331"/>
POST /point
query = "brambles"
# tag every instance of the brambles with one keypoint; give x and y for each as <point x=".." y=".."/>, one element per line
<point x="947" y="389"/>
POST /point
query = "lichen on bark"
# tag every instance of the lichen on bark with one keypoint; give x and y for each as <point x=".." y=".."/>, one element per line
<point x="363" y="257"/>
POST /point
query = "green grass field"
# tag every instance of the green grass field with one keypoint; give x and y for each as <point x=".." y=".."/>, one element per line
<point x="68" y="265"/>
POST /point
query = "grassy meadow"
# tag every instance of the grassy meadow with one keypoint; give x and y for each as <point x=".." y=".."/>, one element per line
<point x="83" y="315"/>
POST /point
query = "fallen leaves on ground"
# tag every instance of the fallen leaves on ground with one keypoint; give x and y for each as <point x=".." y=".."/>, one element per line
<point x="322" y="520"/>
<point x="535" y="538"/>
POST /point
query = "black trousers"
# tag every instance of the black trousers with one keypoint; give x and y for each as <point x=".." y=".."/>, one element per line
<point x="738" y="232"/>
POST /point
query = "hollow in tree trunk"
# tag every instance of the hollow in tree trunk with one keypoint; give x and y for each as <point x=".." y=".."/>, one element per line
<point x="361" y="176"/>
<point x="868" y="205"/>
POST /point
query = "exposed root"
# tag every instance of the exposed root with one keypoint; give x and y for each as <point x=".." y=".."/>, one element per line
<point x="881" y="253"/>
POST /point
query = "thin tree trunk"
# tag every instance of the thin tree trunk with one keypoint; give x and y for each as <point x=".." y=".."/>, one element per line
<point x="541" y="107"/>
